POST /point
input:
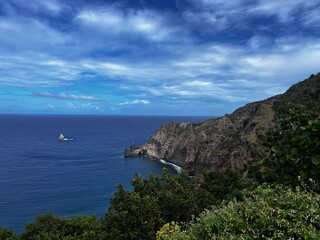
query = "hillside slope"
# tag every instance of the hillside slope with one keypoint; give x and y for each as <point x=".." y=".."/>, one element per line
<point x="232" y="141"/>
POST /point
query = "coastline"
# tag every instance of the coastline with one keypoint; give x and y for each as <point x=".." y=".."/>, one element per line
<point x="176" y="167"/>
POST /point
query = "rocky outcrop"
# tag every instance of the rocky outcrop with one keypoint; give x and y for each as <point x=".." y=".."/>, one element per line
<point x="229" y="142"/>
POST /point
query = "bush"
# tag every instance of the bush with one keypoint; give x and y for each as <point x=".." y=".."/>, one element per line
<point x="268" y="212"/>
<point x="153" y="202"/>
<point x="7" y="234"/>
<point x="166" y="232"/>
<point x="51" y="227"/>
<point x="225" y="186"/>
<point x="295" y="150"/>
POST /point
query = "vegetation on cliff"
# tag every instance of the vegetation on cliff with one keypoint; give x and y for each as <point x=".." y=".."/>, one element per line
<point x="276" y="195"/>
<point x="138" y="214"/>
<point x="295" y="150"/>
<point x="268" y="212"/>
<point x="234" y="141"/>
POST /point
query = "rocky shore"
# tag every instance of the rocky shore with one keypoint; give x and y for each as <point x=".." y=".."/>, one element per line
<point x="233" y="141"/>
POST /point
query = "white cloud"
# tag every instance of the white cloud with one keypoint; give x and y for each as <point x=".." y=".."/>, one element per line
<point x="39" y="6"/>
<point x="201" y="89"/>
<point x="226" y="15"/>
<point x="54" y="63"/>
<point x="146" y="54"/>
<point x="106" y="18"/>
<point x="285" y="63"/>
<point x="21" y="33"/>
<point x="283" y="9"/>
<point x="78" y="108"/>
<point x="214" y="71"/>
<point x="198" y="84"/>
<point x="114" y="67"/>
<point x="52" y="6"/>
<point x="64" y="96"/>
<point x="90" y="106"/>
<point x="36" y="70"/>
<point x="312" y="18"/>
<point x="112" y="21"/>
<point x="134" y="102"/>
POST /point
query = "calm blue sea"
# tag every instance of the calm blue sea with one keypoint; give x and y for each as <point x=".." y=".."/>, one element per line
<point x="38" y="173"/>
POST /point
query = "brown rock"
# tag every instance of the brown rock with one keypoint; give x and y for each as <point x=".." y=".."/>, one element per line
<point x="233" y="141"/>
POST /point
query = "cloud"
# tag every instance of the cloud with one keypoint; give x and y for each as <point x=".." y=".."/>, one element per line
<point x="64" y="96"/>
<point x="114" y="22"/>
<point x="204" y="90"/>
<point x="134" y="102"/>
<point x="213" y="51"/>
<point x="285" y="10"/>
<point x="311" y="18"/>
<point x="20" y="33"/>
<point x="282" y="9"/>
<point x="238" y="20"/>
<point x="36" y="70"/>
<point x="288" y="60"/>
<point x="71" y="106"/>
<point x="36" y="6"/>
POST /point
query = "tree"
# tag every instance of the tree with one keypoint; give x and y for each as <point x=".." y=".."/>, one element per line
<point x="138" y="214"/>
<point x="226" y="185"/>
<point x="51" y="227"/>
<point x="132" y="216"/>
<point x="7" y="234"/>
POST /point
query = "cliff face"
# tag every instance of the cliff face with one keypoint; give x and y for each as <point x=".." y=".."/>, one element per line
<point x="229" y="142"/>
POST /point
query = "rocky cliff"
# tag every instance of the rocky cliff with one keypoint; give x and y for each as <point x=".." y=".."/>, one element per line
<point x="229" y="142"/>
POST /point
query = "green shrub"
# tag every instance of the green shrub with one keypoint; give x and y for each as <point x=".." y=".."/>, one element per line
<point x="168" y="230"/>
<point x="51" y="227"/>
<point x="138" y="214"/>
<point x="225" y="186"/>
<point x="268" y="212"/>
<point x="7" y="234"/>
<point x="295" y="150"/>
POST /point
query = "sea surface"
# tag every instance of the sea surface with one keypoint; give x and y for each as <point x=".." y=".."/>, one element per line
<point x="39" y="173"/>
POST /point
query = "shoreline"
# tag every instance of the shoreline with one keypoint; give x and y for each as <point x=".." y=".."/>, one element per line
<point x="176" y="167"/>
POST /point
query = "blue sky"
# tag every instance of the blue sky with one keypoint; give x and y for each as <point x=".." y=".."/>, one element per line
<point x="152" y="57"/>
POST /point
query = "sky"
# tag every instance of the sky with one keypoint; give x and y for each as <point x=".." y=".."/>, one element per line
<point x="152" y="57"/>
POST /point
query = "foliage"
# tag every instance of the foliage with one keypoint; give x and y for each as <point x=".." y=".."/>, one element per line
<point x="132" y="216"/>
<point x="167" y="231"/>
<point x="7" y="234"/>
<point x="302" y="97"/>
<point x="138" y="214"/>
<point x="51" y="227"/>
<point x="153" y="202"/>
<point x="225" y="186"/>
<point x="268" y="212"/>
<point x="295" y="150"/>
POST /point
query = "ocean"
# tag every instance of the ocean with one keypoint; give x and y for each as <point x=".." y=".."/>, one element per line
<point x="39" y="173"/>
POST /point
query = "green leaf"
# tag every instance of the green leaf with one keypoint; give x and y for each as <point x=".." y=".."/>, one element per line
<point x="310" y="122"/>
<point x="316" y="160"/>
<point x="302" y="174"/>
<point x="275" y="149"/>
<point x="294" y="151"/>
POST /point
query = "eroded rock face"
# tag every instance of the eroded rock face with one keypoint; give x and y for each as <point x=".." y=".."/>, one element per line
<point x="229" y="142"/>
<point x="212" y="145"/>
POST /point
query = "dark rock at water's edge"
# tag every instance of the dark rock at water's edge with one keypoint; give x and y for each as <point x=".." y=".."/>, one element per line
<point x="135" y="151"/>
<point x="233" y="141"/>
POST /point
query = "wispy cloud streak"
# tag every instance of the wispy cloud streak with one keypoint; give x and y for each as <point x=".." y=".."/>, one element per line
<point x="64" y="96"/>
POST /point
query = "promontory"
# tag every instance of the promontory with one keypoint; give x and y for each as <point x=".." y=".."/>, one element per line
<point x="233" y="141"/>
